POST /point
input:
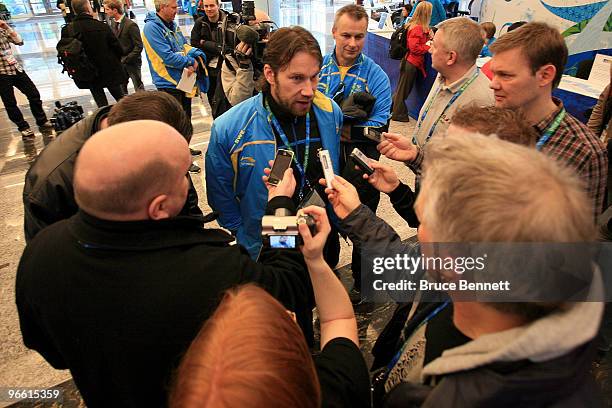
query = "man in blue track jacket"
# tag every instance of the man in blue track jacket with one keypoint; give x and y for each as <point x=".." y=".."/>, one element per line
<point x="288" y="114"/>
<point x="346" y="72"/>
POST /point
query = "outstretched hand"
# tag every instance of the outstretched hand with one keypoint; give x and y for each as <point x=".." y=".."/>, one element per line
<point x="286" y="187"/>
<point x="343" y="197"/>
<point x="313" y="244"/>
<point x="397" y="147"/>
<point x="384" y="177"/>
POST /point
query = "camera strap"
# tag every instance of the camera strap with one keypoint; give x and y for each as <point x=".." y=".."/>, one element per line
<point x="279" y="130"/>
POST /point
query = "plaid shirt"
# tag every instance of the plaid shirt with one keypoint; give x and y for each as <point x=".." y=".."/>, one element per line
<point x="576" y="146"/>
<point x="8" y="64"/>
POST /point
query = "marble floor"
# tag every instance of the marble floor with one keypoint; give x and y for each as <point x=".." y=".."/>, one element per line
<point x="24" y="368"/>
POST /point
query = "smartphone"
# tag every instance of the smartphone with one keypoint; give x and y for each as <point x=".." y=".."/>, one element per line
<point x="373" y="133"/>
<point x="361" y="160"/>
<point x="328" y="170"/>
<point x="282" y="162"/>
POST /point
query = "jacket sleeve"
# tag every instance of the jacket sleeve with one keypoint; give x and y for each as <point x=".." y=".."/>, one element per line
<point x="417" y="41"/>
<point x="195" y="36"/>
<point x="403" y="199"/>
<point x="134" y="55"/>
<point x="380" y="87"/>
<point x="595" y="122"/>
<point x="239" y="84"/>
<point x="371" y="232"/>
<point x="34" y="335"/>
<point x="283" y="274"/>
<point x="220" y="180"/>
<point x="155" y="37"/>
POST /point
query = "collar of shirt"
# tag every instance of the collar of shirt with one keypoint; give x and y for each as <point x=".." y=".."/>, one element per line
<point x="455" y="86"/>
<point x="544" y="123"/>
<point x="120" y="19"/>
<point x="358" y="60"/>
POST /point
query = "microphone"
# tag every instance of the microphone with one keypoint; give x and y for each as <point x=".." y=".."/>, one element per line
<point x="247" y="34"/>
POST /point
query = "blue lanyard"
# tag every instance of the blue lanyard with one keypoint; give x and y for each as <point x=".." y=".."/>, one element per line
<point x="551" y="129"/>
<point x="301" y="168"/>
<point x="448" y="105"/>
<point x="341" y="86"/>
<point x="401" y="351"/>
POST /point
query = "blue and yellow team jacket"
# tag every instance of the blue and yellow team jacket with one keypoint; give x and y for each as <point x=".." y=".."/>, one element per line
<point x="169" y="53"/>
<point x="241" y="144"/>
<point x="364" y="75"/>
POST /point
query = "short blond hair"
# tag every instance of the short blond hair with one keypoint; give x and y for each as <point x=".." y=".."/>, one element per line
<point x="159" y="3"/>
<point x="462" y="35"/>
<point x="480" y="189"/>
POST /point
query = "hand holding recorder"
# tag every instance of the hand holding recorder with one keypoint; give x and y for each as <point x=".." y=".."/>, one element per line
<point x="343" y="197"/>
<point x="384" y="178"/>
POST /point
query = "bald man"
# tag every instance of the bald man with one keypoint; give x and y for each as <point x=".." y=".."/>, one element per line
<point x="117" y="292"/>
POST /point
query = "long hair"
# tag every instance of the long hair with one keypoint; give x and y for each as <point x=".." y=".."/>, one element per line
<point x="249" y="353"/>
<point x="421" y="16"/>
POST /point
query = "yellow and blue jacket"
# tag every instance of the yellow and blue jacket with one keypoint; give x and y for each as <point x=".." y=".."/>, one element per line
<point x="169" y="53"/>
<point x="241" y="144"/>
<point x="363" y="76"/>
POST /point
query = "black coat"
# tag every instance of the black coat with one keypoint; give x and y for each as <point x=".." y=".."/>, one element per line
<point x="207" y="39"/>
<point x="102" y="49"/>
<point x="131" y="41"/>
<point x="48" y="196"/>
<point x="118" y="303"/>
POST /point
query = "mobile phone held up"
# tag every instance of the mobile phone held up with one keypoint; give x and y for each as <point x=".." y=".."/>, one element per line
<point x="373" y="133"/>
<point x="282" y="162"/>
<point x="361" y="160"/>
<point x="328" y="170"/>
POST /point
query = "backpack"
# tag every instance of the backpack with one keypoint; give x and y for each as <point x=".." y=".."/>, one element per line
<point x="397" y="45"/>
<point x="72" y="57"/>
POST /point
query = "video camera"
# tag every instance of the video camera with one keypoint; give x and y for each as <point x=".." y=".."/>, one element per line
<point x="237" y="28"/>
<point x="281" y="230"/>
<point x="66" y="115"/>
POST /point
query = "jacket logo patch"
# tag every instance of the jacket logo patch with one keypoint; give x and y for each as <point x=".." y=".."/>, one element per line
<point x="247" y="161"/>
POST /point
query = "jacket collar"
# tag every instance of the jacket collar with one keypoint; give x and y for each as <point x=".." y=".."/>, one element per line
<point x="544" y="339"/>
<point x="94" y="233"/>
<point x="360" y="59"/>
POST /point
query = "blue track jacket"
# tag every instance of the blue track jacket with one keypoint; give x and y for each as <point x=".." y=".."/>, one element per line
<point x="169" y="53"/>
<point x="241" y="144"/>
<point x="364" y="75"/>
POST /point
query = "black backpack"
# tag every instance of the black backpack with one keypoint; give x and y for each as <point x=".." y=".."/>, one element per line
<point x="72" y="56"/>
<point x="397" y="45"/>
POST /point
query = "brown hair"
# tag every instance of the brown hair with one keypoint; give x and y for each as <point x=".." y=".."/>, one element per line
<point x="507" y="124"/>
<point x="152" y="105"/>
<point x="489" y="28"/>
<point x="540" y="43"/>
<point x="283" y="45"/>
<point x="354" y="11"/>
<point x="249" y="353"/>
<point x="115" y="5"/>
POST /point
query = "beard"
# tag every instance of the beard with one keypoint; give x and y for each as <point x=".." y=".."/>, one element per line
<point x="293" y="107"/>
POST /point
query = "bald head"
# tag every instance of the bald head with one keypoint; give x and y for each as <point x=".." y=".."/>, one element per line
<point x="124" y="170"/>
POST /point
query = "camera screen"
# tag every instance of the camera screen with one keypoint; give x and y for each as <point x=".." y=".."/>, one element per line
<point x="282" y="241"/>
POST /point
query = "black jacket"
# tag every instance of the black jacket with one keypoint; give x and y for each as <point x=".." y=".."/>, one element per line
<point x="118" y="303"/>
<point x="564" y="382"/>
<point x="208" y="40"/>
<point x="102" y="49"/>
<point x="48" y="195"/>
<point x="131" y="42"/>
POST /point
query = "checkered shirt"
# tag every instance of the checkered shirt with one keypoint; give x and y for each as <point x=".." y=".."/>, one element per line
<point x="576" y="146"/>
<point x="5" y="51"/>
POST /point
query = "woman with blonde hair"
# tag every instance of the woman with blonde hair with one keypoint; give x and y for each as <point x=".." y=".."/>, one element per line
<point x="418" y="34"/>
